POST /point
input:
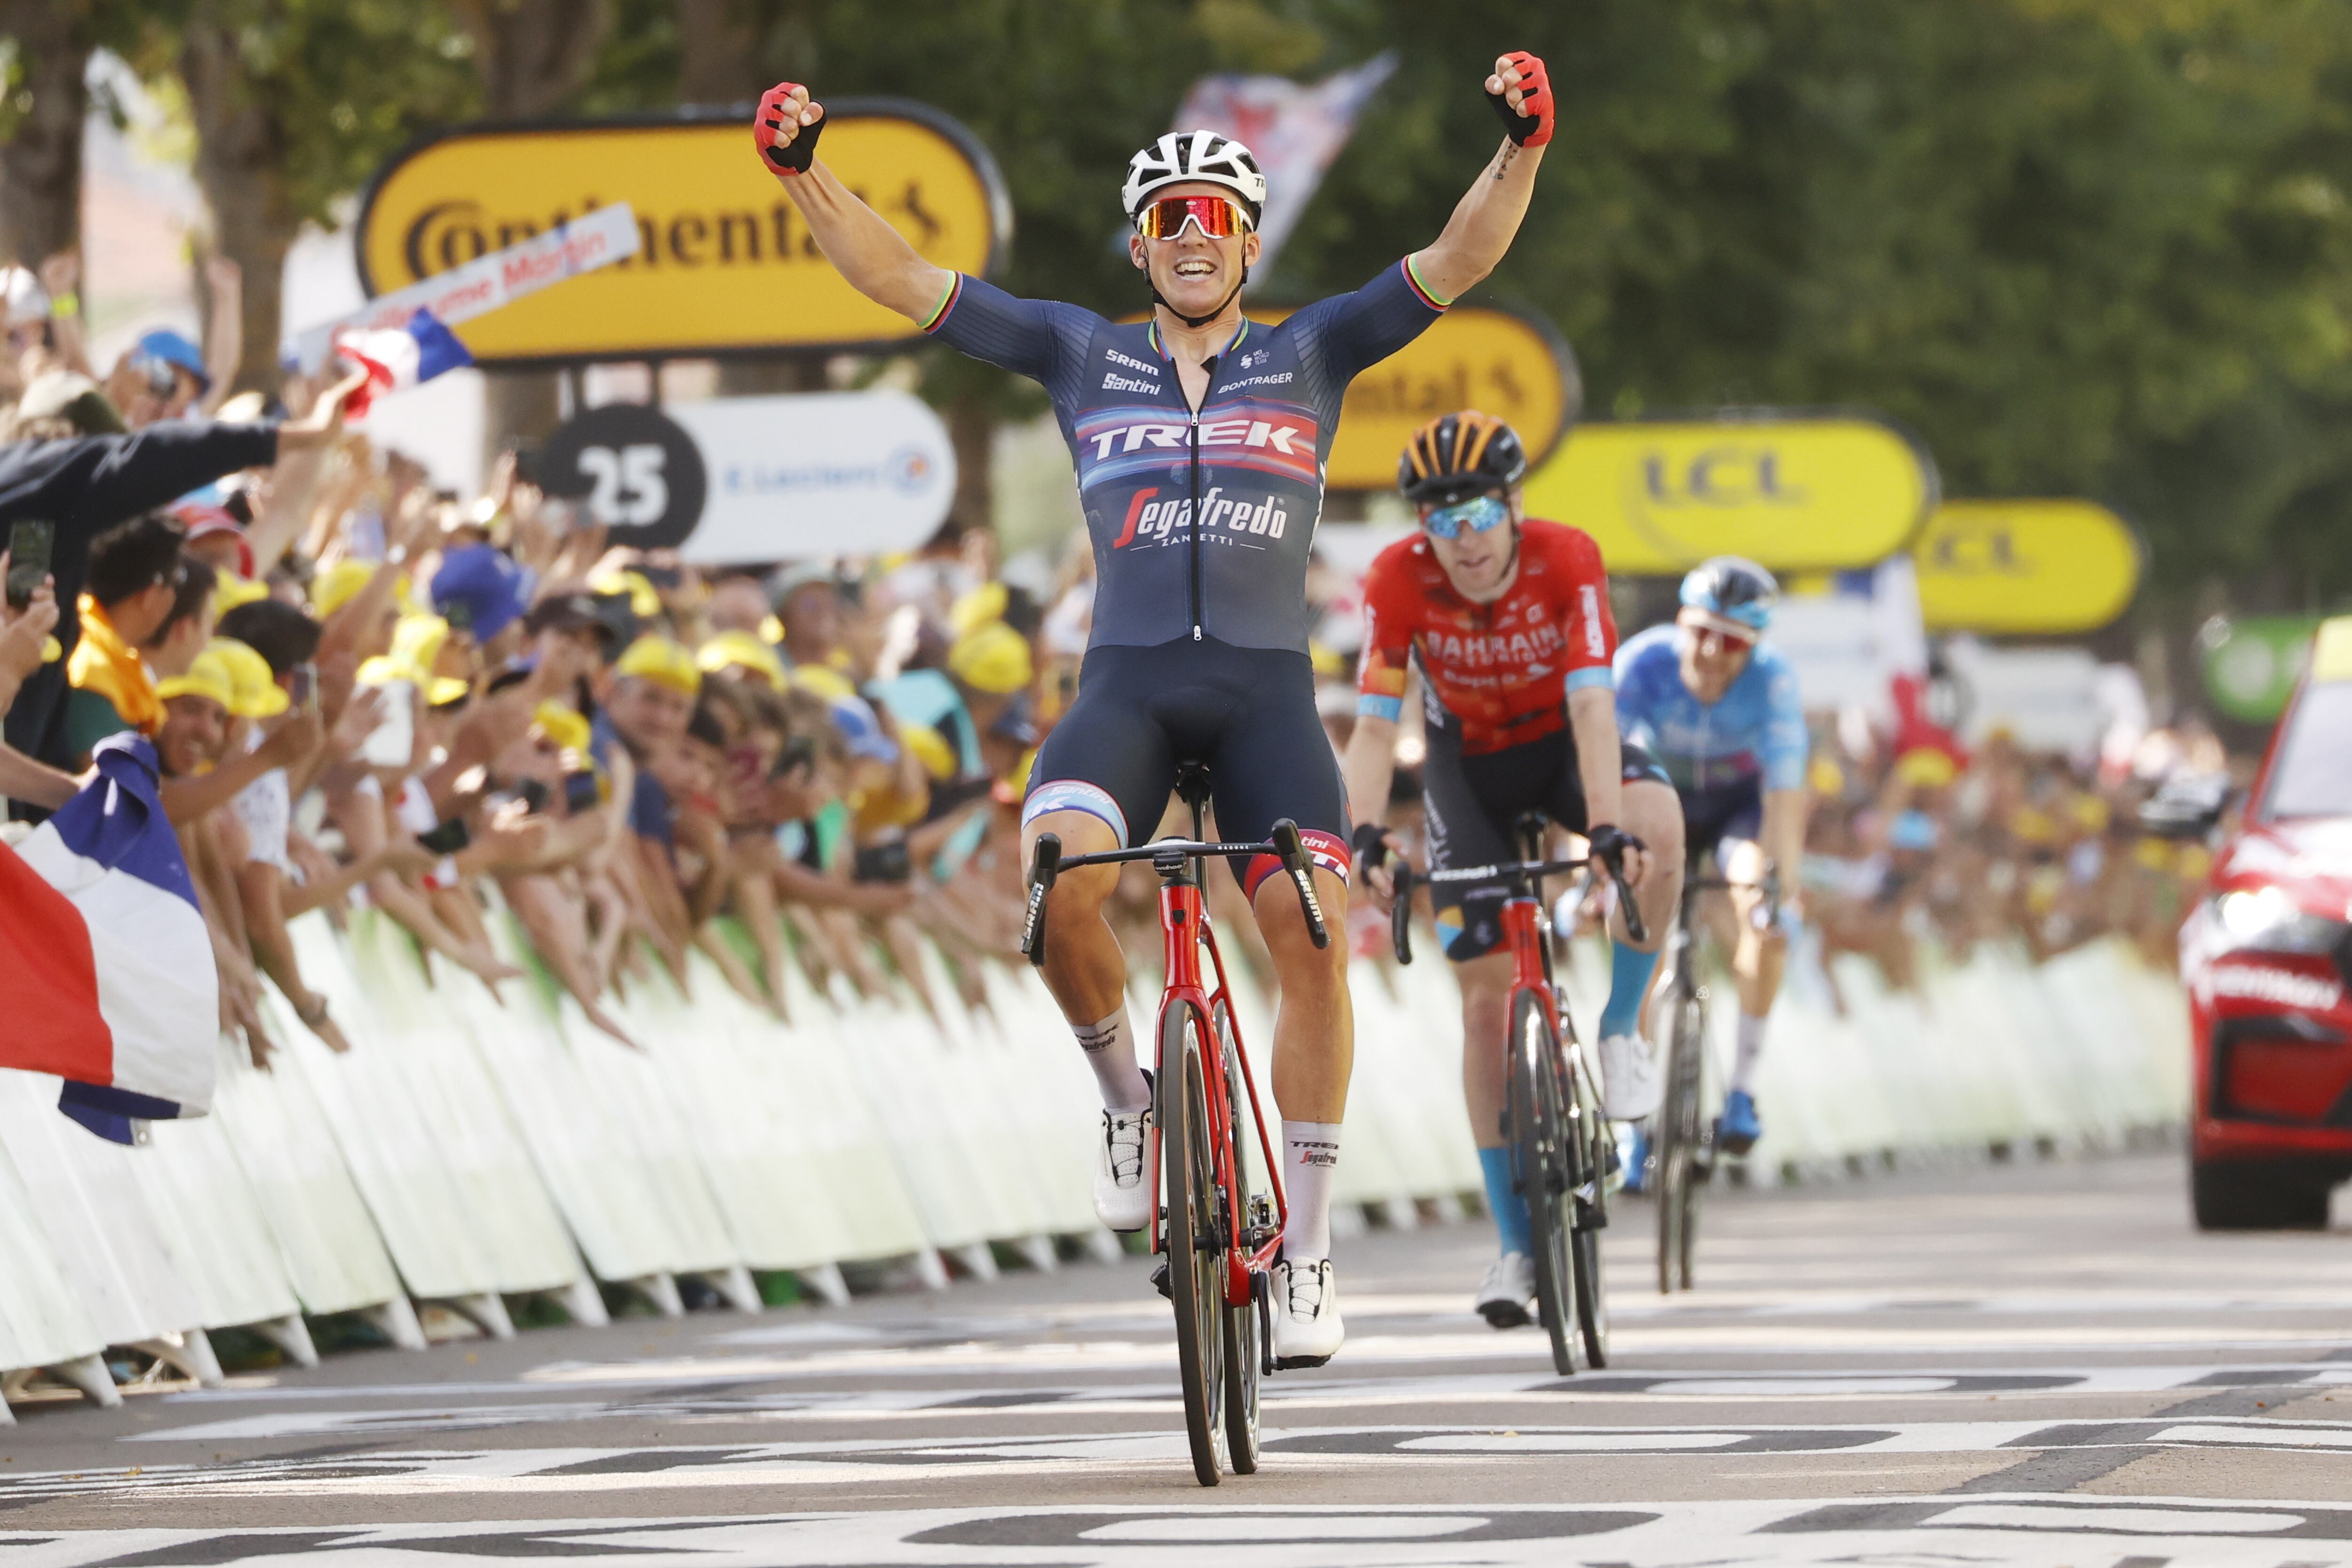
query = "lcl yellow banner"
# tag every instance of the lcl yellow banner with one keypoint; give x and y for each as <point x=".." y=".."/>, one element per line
<point x="725" y="263"/>
<point x="1795" y="494"/>
<point x="2024" y="567"/>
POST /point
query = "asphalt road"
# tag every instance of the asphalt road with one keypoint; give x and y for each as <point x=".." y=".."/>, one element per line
<point x="2034" y="1364"/>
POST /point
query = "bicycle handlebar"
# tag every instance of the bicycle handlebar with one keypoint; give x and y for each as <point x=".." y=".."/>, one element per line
<point x="1536" y="870"/>
<point x="1047" y="863"/>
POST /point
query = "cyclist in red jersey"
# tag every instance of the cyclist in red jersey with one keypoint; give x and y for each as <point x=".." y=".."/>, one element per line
<point x="1506" y="617"/>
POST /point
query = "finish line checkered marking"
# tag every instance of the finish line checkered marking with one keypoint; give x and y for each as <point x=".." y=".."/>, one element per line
<point x="513" y="1470"/>
<point x="2029" y="1531"/>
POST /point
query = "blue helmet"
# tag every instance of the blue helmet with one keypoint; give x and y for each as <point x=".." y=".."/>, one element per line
<point x="1733" y="590"/>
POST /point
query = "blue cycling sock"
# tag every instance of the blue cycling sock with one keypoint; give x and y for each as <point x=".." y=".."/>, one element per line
<point x="1509" y="1207"/>
<point x="1628" y="977"/>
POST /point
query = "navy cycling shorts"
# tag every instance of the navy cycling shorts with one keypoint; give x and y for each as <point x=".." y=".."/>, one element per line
<point x="1474" y="805"/>
<point x="1248" y="713"/>
<point x="1718" y="812"/>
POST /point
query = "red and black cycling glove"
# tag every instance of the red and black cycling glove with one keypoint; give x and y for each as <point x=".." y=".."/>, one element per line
<point x="1531" y="127"/>
<point x="776" y="115"/>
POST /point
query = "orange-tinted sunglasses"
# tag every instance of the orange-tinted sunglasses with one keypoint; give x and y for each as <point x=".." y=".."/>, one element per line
<point x="1217" y="217"/>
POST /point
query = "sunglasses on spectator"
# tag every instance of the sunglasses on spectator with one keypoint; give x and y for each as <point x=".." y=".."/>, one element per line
<point x="1477" y="515"/>
<point x="1217" y="217"/>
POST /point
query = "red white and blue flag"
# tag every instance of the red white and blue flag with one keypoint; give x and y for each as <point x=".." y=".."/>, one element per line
<point x="397" y="358"/>
<point x="112" y="984"/>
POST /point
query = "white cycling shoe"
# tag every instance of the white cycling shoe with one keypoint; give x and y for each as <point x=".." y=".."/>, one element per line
<point x="1630" y="1083"/>
<point x="1123" y="1199"/>
<point x="1306" y="1327"/>
<point x="1505" y="1293"/>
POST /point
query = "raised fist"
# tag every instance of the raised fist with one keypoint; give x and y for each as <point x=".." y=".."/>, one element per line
<point x="1520" y="91"/>
<point x="785" y="127"/>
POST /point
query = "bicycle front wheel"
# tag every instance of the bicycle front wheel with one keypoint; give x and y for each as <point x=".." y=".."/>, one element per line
<point x="1195" y="1267"/>
<point x="1538" y="1129"/>
<point x="1244" y="1348"/>
<point x="1590" y="1146"/>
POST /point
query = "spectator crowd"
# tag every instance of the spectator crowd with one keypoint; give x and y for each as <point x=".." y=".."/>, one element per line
<point x="530" y="745"/>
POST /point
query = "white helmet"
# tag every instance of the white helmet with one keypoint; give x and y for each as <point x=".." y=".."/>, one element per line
<point x="1182" y="156"/>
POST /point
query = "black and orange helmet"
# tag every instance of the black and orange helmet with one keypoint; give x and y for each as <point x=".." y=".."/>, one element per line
<point x="1458" y="456"/>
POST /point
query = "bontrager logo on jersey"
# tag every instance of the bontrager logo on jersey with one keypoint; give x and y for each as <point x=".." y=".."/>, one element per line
<point x="1588" y="601"/>
<point x="1152" y="519"/>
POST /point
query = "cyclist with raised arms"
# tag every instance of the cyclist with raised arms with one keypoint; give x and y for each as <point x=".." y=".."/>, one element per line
<point x="1199" y="440"/>
<point x="1720" y="709"/>
<point x="1506" y="617"/>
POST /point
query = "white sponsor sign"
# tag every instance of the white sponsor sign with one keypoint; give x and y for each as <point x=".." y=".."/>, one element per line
<point x="833" y="473"/>
<point x="480" y="286"/>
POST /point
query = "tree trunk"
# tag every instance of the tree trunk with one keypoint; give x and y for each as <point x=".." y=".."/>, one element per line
<point x="240" y="162"/>
<point x="40" y="165"/>
<point x="972" y="421"/>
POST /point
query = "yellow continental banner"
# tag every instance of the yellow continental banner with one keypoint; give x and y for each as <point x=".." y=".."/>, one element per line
<point x="725" y="262"/>
<point x="1795" y="494"/>
<point x="2024" y="567"/>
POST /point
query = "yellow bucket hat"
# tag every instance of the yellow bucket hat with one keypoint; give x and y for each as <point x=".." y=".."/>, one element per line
<point x="645" y="599"/>
<point x="443" y="690"/>
<point x="207" y="676"/>
<point x="930" y="748"/>
<point x="333" y="588"/>
<point x="256" y="691"/>
<point x="417" y="641"/>
<point x="560" y="724"/>
<point x="744" y="651"/>
<point x="982" y="607"/>
<point x="818" y="680"/>
<point x="994" y="659"/>
<point x="659" y="659"/>
<point x="1924" y="765"/>
<point x="231" y="590"/>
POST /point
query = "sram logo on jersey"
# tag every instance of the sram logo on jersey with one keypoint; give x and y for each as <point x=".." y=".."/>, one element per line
<point x="1152" y="519"/>
<point x="1275" y="436"/>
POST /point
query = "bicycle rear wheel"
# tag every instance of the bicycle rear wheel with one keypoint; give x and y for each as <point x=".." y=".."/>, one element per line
<point x="1591" y="1145"/>
<point x="1537" y="1125"/>
<point x="1195" y="1273"/>
<point x="1243" y="1350"/>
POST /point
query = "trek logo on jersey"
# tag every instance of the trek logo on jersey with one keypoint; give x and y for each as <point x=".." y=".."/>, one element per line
<point x="1287" y="438"/>
<point x="1150" y="519"/>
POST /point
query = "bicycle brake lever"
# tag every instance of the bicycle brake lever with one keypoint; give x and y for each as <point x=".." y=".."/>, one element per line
<point x="1044" y="865"/>
<point x="1400" y="912"/>
<point x="1634" y="925"/>
<point x="1293" y="853"/>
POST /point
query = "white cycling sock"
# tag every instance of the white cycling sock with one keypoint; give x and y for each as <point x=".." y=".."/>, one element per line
<point x="1110" y="1051"/>
<point x="1311" y="1154"/>
<point x="1747" y="1051"/>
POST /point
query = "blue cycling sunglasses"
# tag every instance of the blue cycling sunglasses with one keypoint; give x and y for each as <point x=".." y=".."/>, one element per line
<point x="1478" y="514"/>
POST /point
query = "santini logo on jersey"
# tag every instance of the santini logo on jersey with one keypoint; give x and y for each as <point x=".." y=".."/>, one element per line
<point x="1114" y="382"/>
<point x="1153" y="519"/>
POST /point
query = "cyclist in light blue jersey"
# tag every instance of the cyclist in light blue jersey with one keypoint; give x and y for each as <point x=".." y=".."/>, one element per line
<point x="1721" y="712"/>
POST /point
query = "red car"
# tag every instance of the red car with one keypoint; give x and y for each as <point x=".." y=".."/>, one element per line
<point x="2267" y="961"/>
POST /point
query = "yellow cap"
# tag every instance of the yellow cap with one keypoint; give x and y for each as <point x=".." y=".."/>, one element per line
<point x="443" y="690"/>
<point x="383" y="669"/>
<point x="1325" y="660"/>
<point x="208" y="675"/>
<point x="417" y="641"/>
<point x="659" y="659"/>
<point x="743" y="649"/>
<point x="771" y="631"/>
<point x="994" y="659"/>
<point x="560" y="725"/>
<point x="645" y="599"/>
<point x="233" y="590"/>
<point x="332" y="589"/>
<point x="819" y="681"/>
<point x="982" y="606"/>
<point x="258" y="693"/>
<point x="930" y="748"/>
<point x="1924" y="765"/>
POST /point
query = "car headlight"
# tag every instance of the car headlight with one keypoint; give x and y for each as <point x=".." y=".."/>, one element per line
<point x="2264" y="919"/>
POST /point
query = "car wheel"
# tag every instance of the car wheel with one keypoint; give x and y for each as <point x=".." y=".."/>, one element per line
<point x="2256" y="1195"/>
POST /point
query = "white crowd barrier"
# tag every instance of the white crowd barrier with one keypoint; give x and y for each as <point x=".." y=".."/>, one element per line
<point x="474" y="1147"/>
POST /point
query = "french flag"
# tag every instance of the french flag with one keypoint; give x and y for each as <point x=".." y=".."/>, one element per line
<point x="397" y="358"/>
<point x="111" y="978"/>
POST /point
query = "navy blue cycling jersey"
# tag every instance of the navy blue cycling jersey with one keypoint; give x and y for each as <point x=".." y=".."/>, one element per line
<point x="1757" y="731"/>
<point x="1248" y="463"/>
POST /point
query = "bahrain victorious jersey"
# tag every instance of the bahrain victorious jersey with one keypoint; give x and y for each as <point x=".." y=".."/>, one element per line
<point x="1500" y="673"/>
<point x="1200" y="522"/>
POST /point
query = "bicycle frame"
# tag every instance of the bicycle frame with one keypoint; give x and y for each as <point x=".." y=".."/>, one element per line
<point x="1186" y="929"/>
